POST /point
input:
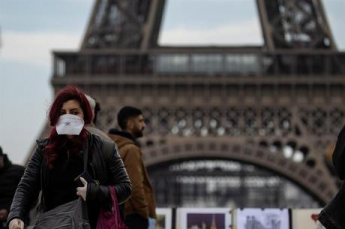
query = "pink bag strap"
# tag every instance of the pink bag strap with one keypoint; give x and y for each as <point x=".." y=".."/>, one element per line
<point x="113" y="195"/>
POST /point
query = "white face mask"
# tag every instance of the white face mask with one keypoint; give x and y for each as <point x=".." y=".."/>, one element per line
<point x="69" y="124"/>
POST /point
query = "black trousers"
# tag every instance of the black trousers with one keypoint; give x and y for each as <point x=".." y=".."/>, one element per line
<point x="135" y="221"/>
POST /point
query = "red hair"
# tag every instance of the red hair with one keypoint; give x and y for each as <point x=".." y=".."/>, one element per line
<point x="70" y="92"/>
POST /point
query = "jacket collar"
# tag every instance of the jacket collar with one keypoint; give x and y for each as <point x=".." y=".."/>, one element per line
<point x="124" y="134"/>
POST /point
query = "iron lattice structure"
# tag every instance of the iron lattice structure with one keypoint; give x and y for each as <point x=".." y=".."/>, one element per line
<point x="277" y="107"/>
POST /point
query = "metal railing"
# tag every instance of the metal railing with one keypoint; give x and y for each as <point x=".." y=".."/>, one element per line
<point x="198" y="63"/>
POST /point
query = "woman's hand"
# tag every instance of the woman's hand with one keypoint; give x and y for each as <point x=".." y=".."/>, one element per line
<point x="81" y="191"/>
<point x="16" y="224"/>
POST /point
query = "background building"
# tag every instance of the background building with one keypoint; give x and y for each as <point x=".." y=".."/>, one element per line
<point x="227" y="126"/>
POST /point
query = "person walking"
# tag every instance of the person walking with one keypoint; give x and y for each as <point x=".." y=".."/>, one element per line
<point x="59" y="160"/>
<point x="10" y="175"/>
<point x="142" y="204"/>
<point x="96" y="107"/>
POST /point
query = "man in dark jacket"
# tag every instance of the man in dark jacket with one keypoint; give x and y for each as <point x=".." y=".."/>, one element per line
<point x="332" y="215"/>
<point x="142" y="204"/>
<point x="10" y="176"/>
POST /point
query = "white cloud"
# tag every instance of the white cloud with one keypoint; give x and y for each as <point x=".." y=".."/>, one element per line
<point x="248" y="32"/>
<point x="35" y="48"/>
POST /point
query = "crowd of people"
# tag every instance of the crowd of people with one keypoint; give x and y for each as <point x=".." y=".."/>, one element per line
<point x="72" y="163"/>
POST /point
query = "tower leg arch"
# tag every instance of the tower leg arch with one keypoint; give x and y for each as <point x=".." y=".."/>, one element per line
<point x="307" y="178"/>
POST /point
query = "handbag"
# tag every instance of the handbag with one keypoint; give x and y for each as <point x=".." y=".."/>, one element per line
<point x="111" y="219"/>
<point x="71" y="215"/>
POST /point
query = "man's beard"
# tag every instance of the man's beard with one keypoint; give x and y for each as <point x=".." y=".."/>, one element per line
<point x="138" y="133"/>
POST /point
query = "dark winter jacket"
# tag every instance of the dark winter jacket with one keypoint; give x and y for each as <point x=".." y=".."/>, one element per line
<point x="10" y="176"/>
<point x="142" y="201"/>
<point x="107" y="169"/>
<point x="332" y="215"/>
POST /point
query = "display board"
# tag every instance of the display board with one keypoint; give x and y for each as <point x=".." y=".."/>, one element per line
<point x="306" y="218"/>
<point x="269" y="218"/>
<point x="203" y="218"/>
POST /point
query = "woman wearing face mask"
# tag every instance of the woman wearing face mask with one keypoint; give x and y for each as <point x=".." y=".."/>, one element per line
<point x="58" y="160"/>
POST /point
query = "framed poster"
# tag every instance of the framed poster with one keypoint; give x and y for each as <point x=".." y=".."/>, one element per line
<point x="269" y="218"/>
<point x="306" y="218"/>
<point x="203" y="218"/>
<point x="164" y="219"/>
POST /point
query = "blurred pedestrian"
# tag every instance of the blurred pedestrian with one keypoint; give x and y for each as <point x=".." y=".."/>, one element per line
<point x="96" y="108"/>
<point x="59" y="159"/>
<point x="142" y="204"/>
<point x="10" y="175"/>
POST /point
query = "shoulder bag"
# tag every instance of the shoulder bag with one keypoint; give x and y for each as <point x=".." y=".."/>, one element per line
<point x="111" y="219"/>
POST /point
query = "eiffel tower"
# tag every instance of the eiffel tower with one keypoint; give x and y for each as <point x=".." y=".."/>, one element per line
<point x="225" y="125"/>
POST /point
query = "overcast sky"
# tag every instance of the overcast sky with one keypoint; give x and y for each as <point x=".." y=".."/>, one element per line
<point x="30" y="30"/>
